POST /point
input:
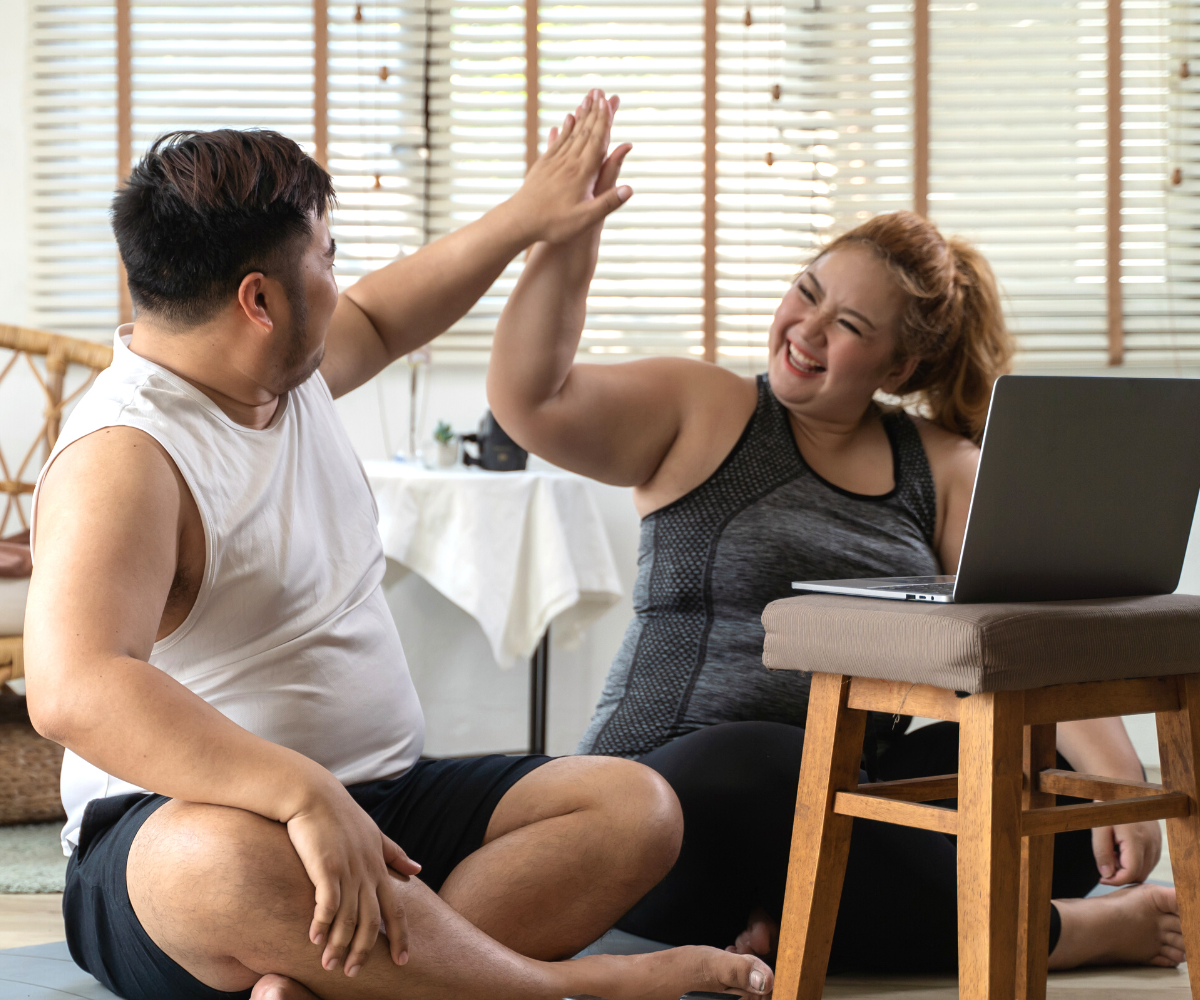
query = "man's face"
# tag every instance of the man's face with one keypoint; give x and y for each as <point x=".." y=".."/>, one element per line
<point x="312" y="301"/>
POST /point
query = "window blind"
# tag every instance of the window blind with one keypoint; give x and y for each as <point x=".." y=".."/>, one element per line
<point x="815" y="106"/>
<point x="648" y="293"/>
<point x="72" y="94"/>
<point x="378" y="149"/>
<point x="1017" y="160"/>
<point x="1160" y="216"/>
<point x="426" y="110"/>
<point x="476" y="140"/>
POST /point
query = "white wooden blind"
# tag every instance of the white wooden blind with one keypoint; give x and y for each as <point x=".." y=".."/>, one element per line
<point x="72" y="94"/>
<point x="1160" y="219"/>
<point x="378" y="149"/>
<point x="1017" y="160"/>
<point x="648" y="293"/>
<point x="426" y="130"/>
<point x="476" y="141"/>
<point x="839" y="135"/>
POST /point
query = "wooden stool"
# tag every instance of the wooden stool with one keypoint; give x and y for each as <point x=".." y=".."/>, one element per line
<point x="1006" y="673"/>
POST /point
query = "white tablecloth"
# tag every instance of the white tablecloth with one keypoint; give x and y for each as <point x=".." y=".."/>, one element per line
<point x="515" y="550"/>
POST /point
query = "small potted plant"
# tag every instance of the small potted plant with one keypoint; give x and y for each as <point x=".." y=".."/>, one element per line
<point x="447" y="445"/>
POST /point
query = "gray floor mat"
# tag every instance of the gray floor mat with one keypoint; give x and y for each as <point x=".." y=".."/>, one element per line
<point x="46" y="972"/>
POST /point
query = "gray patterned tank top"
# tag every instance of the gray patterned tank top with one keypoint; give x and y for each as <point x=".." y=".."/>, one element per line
<point x="711" y="561"/>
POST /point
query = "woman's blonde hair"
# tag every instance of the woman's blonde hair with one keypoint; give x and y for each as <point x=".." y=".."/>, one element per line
<point x="953" y="322"/>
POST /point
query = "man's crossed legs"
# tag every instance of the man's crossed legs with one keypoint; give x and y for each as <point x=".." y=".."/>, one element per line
<point x="568" y="849"/>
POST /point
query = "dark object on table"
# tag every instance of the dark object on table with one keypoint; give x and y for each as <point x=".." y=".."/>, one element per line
<point x="497" y="451"/>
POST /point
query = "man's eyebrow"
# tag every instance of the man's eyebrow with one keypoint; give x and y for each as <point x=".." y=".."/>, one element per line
<point x="853" y="312"/>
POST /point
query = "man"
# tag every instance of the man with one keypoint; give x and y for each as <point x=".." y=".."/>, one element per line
<point x="205" y="623"/>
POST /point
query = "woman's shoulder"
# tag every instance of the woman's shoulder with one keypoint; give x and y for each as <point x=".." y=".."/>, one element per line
<point x="952" y="457"/>
<point x="715" y="407"/>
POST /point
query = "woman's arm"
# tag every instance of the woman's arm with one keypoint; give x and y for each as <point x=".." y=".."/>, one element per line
<point x="1126" y="853"/>
<point x="615" y="423"/>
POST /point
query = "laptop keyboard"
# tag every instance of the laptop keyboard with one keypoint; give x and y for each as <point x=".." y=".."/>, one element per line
<point x="922" y="588"/>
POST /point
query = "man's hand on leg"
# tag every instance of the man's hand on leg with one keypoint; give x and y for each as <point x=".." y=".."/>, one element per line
<point x="222" y="892"/>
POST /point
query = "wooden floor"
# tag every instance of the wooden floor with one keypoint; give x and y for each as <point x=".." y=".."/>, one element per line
<point x="26" y="920"/>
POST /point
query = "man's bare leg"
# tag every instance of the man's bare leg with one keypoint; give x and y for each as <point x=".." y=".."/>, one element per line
<point x="570" y="848"/>
<point x="223" y="893"/>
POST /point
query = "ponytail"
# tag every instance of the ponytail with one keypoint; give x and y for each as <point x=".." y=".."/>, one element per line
<point x="953" y="324"/>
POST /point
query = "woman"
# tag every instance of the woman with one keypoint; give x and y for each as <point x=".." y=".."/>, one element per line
<point x="745" y="484"/>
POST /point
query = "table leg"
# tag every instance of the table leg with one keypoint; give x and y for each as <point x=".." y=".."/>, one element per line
<point x="539" y="671"/>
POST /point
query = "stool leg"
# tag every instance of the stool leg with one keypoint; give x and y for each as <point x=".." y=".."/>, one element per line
<point x="1179" y="754"/>
<point x="833" y="740"/>
<point x="989" y="843"/>
<point x="1037" y="870"/>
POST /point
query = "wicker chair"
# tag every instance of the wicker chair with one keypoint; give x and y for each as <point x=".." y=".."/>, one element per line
<point x="48" y="357"/>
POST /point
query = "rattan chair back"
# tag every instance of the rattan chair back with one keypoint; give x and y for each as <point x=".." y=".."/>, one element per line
<point x="48" y="356"/>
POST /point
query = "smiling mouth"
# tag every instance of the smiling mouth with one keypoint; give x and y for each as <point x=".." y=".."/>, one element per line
<point x="803" y="364"/>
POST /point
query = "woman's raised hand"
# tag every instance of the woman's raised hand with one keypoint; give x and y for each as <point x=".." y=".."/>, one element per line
<point x="572" y="186"/>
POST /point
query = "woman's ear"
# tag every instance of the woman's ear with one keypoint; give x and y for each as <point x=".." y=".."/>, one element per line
<point x="900" y="373"/>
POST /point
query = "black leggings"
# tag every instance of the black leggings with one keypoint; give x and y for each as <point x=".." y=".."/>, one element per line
<point x="899" y="908"/>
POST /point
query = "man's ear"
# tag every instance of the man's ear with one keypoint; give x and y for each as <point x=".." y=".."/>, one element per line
<point x="252" y="299"/>
<point x="900" y="373"/>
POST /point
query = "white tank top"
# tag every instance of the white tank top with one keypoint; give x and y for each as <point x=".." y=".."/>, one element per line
<point x="290" y="636"/>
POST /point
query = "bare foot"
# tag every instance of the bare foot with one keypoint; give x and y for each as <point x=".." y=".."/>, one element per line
<point x="1135" y="926"/>
<point x="761" y="936"/>
<point x="666" y="975"/>
<point x="274" y="987"/>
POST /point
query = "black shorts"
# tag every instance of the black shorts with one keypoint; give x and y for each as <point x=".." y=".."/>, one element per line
<point x="438" y="812"/>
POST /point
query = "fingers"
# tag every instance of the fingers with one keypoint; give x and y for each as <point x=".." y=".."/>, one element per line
<point x="395" y="923"/>
<point x="610" y="169"/>
<point x="341" y="932"/>
<point x="365" y="932"/>
<point x="1102" y="850"/>
<point x="593" y="119"/>
<point x="329" y="899"/>
<point x="591" y="212"/>
<point x="395" y="858"/>
<point x="1131" y="860"/>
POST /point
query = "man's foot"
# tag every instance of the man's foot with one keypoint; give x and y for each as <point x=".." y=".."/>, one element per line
<point x="761" y="936"/>
<point x="1135" y="926"/>
<point x="280" y="988"/>
<point x="666" y="975"/>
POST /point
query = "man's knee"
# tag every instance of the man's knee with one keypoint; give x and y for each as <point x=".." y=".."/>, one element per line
<point x="200" y="864"/>
<point x="646" y="807"/>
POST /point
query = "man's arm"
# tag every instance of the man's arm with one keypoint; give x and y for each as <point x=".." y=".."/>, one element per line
<point x="392" y="311"/>
<point x="111" y="512"/>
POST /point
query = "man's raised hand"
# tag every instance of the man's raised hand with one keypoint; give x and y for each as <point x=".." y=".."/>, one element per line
<point x="572" y="186"/>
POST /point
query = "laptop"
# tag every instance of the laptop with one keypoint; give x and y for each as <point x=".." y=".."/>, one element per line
<point x="1086" y="488"/>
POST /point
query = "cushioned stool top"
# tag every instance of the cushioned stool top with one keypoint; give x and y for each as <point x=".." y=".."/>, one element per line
<point x="985" y="647"/>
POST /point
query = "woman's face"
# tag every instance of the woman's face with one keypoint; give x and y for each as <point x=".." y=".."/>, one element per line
<point x="833" y="340"/>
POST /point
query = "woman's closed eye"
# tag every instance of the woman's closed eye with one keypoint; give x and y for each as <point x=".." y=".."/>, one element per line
<point x="851" y="327"/>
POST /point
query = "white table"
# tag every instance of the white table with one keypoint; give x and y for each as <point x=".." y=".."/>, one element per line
<point x="515" y="550"/>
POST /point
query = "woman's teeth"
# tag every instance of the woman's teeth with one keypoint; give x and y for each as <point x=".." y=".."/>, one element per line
<point x="802" y="362"/>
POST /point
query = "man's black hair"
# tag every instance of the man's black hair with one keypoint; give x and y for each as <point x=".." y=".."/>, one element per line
<point x="204" y="209"/>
